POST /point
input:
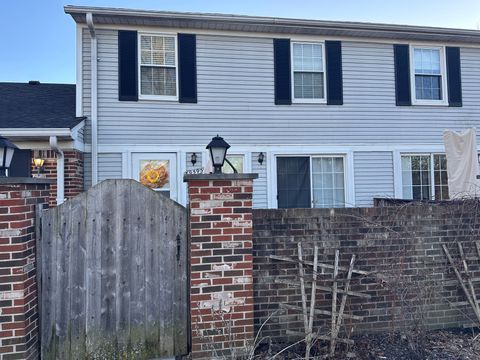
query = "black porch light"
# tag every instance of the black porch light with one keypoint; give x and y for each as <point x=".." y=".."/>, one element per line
<point x="218" y="151"/>
<point x="261" y="158"/>
<point x="193" y="159"/>
<point x="7" y="148"/>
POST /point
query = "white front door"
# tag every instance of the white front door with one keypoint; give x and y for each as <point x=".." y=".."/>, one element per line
<point x="158" y="171"/>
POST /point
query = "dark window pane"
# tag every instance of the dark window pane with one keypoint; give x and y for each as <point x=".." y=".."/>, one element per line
<point x="428" y="87"/>
<point x="293" y="182"/>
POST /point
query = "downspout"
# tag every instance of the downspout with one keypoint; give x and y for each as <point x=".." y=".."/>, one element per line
<point x="60" y="170"/>
<point x="93" y="96"/>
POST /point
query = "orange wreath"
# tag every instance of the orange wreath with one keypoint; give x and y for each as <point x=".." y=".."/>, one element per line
<point x="154" y="174"/>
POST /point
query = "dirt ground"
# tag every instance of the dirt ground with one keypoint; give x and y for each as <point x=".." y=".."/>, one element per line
<point x="435" y="345"/>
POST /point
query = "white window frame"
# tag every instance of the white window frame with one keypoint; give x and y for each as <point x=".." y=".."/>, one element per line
<point x="432" y="170"/>
<point x="139" y="65"/>
<point x="292" y="72"/>
<point x="349" y="188"/>
<point x="343" y="157"/>
<point x="443" y="72"/>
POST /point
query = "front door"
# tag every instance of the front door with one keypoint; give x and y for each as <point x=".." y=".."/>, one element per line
<point x="293" y="182"/>
<point x="156" y="171"/>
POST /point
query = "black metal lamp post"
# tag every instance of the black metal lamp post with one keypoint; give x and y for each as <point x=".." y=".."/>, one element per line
<point x="7" y="148"/>
<point x="218" y="152"/>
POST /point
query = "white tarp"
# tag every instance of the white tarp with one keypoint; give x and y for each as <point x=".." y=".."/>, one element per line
<point x="462" y="163"/>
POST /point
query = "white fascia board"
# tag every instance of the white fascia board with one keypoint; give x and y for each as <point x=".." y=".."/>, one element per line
<point x="35" y="132"/>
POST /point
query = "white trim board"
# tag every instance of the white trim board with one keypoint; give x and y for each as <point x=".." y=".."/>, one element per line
<point x="79" y="72"/>
<point x="291" y="148"/>
<point x="277" y="35"/>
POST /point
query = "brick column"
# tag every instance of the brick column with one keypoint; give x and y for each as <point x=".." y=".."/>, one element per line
<point x="221" y="289"/>
<point x="18" y="288"/>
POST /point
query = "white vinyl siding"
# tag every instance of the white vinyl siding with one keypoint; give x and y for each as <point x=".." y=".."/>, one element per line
<point x="110" y="166"/>
<point x="235" y="82"/>
<point x="260" y="184"/>
<point x="87" y="170"/>
<point x="373" y="176"/>
<point x="236" y="99"/>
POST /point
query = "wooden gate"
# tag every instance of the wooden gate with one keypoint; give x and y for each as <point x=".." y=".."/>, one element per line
<point x="114" y="275"/>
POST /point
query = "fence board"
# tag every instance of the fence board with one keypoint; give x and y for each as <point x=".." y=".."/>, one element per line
<point x="113" y="285"/>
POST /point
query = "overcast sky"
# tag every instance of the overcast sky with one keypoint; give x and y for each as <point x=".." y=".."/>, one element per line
<point x="38" y="39"/>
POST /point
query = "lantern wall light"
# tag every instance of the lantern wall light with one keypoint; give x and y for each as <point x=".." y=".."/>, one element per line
<point x="218" y="152"/>
<point x="193" y="159"/>
<point x="39" y="162"/>
<point x="261" y="158"/>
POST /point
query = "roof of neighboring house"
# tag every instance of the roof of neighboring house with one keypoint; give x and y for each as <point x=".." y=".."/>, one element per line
<point x="36" y="105"/>
<point x="259" y="24"/>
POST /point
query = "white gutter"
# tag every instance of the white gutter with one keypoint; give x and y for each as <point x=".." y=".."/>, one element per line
<point x="36" y="132"/>
<point x="93" y="91"/>
<point x="60" y="170"/>
<point x="271" y="21"/>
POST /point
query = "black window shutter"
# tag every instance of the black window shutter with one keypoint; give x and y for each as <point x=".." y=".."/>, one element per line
<point x="454" y="76"/>
<point x="333" y="57"/>
<point x="127" y="66"/>
<point x="187" y="68"/>
<point x="282" y="75"/>
<point x="21" y="165"/>
<point x="402" y="75"/>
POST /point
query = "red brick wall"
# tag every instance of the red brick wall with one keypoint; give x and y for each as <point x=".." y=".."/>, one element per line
<point x="221" y="290"/>
<point x="73" y="172"/>
<point x="18" y="289"/>
<point x="410" y="283"/>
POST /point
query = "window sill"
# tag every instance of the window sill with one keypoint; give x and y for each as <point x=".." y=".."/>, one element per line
<point x="311" y="102"/>
<point x="158" y="98"/>
<point x="429" y="103"/>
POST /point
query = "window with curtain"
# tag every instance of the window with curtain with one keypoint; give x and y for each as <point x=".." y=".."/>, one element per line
<point x="158" y="66"/>
<point x="417" y="174"/>
<point x="328" y="182"/>
<point x="308" y="72"/>
<point x="428" y="74"/>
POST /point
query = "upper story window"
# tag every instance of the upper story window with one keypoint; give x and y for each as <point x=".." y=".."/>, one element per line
<point x="428" y="76"/>
<point x="158" y="67"/>
<point x="308" y="72"/>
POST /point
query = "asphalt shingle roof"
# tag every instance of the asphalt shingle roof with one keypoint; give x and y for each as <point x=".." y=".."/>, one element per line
<point x="24" y="105"/>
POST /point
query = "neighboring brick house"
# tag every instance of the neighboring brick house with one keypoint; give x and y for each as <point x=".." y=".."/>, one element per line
<point x="40" y="119"/>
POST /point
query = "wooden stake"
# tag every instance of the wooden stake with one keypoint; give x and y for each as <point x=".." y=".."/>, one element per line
<point x="467" y="273"/>
<point x="302" y="286"/>
<point x="344" y="297"/>
<point x="334" y="304"/>
<point x="460" y="280"/>
<point x="312" y="304"/>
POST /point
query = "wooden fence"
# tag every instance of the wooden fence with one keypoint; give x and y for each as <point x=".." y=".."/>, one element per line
<point x="113" y="280"/>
